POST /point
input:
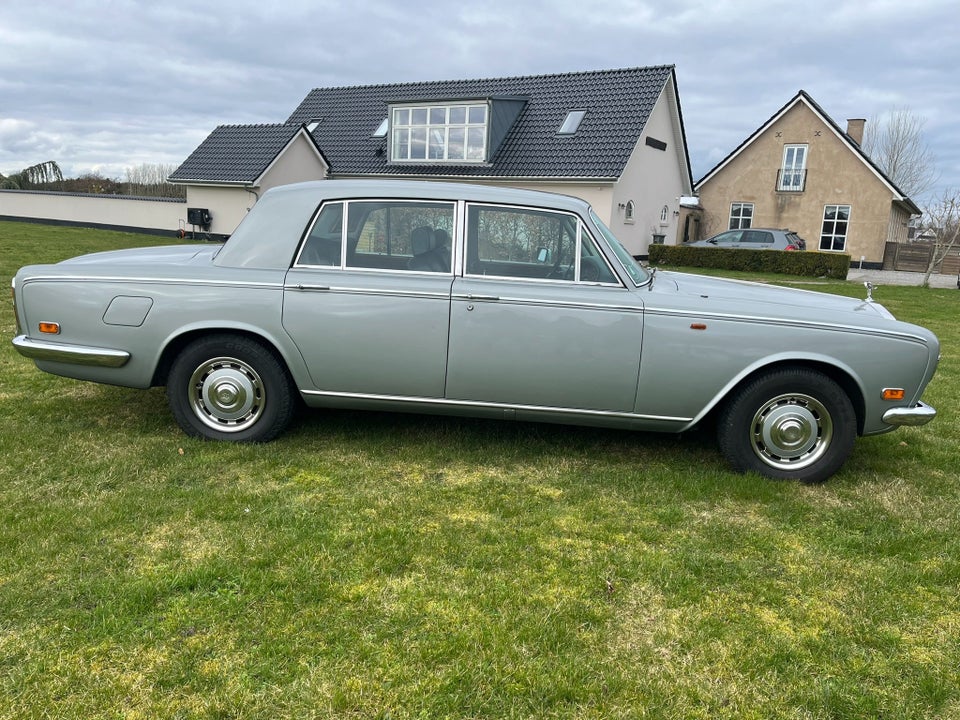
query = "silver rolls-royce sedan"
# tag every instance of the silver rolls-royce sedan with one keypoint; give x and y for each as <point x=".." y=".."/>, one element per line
<point x="472" y="300"/>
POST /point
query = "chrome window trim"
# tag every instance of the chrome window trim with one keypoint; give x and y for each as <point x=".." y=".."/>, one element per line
<point x="345" y="229"/>
<point x="581" y="226"/>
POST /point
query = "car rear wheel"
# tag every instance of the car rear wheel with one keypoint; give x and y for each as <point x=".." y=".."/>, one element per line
<point x="790" y="424"/>
<point x="229" y="387"/>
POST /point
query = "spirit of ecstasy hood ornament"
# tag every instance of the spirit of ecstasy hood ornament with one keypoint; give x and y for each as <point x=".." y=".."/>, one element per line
<point x="869" y="286"/>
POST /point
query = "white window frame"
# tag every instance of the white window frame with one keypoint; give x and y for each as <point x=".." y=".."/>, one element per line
<point x="440" y="133"/>
<point x="793" y="168"/>
<point x="629" y="211"/>
<point x="571" y="123"/>
<point x="832" y="237"/>
<point x="739" y="221"/>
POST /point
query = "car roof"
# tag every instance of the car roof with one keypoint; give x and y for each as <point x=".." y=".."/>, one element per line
<point x="318" y="190"/>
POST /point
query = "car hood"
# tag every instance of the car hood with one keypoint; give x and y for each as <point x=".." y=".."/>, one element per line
<point x="759" y="299"/>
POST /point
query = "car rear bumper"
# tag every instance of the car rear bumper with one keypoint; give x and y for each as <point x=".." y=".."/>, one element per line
<point x="920" y="414"/>
<point x="73" y="354"/>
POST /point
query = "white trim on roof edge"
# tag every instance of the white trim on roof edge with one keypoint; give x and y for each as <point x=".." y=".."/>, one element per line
<point x="313" y="146"/>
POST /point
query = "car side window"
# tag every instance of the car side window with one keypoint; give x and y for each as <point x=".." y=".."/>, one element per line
<point x="729" y="238"/>
<point x="593" y="267"/>
<point x="400" y="235"/>
<point x="322" y="248"/>
<point x="532" y="244"/>
<point x="757" y="237"/>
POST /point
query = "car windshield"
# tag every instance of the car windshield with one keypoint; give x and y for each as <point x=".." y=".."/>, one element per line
<point x="636" y="273"/>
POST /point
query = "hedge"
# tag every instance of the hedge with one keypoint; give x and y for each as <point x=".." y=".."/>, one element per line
<point x="813" y="264"/>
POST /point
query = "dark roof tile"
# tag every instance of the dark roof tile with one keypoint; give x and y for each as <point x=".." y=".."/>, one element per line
<point x="235" y="153"/>
<point x="619" y="103"/>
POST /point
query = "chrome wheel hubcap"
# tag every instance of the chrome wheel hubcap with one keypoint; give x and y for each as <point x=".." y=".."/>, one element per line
<point x="791" y="431"/>
<point x="226" y="394"/>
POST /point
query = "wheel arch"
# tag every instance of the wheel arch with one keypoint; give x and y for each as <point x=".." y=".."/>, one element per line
<point x="840" y="375"/>
<point x="176" y="344"/>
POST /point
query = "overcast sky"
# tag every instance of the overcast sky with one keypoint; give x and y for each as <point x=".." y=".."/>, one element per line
<point x="102" y="86"/>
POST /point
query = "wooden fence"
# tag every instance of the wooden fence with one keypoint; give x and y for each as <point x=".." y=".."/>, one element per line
<point x="915" y="257"/>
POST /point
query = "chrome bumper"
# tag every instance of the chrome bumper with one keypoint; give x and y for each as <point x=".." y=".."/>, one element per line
<point x="920" y="414"/>
<point x="73" y="354"/>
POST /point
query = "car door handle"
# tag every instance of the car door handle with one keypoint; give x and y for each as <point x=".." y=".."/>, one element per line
<point x="313" y="288"/>
<point x="489" y="298"/>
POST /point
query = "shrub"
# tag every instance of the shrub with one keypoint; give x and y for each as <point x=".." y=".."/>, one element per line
<point x="813" y="264"/>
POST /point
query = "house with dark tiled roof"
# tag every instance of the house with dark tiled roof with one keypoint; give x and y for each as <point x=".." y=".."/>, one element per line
<point x="800" y="170"/>
<point x="613" y="137"/>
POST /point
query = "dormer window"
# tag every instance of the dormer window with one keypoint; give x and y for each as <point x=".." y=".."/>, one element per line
<point x="572" y="122"/>
<point x="381" y="130"/>
<point x="438" y="133"/>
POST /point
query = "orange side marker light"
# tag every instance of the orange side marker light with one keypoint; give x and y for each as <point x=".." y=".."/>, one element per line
<point x="893" y="394"/>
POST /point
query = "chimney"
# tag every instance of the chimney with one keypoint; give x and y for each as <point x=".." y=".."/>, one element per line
<point x="855" y="130"/>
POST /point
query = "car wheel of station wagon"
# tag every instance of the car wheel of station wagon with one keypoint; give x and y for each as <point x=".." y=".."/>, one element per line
<point x="792" y="424"/>
<point x="228" y="387"/>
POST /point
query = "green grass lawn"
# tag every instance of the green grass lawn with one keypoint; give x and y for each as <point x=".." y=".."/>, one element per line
<point x="394" y="566"/>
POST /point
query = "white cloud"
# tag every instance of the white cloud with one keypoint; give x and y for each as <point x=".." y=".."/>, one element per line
<point x="112" y="84"/>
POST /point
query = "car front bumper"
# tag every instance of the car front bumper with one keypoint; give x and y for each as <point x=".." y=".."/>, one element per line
<point x="919" y="414"/>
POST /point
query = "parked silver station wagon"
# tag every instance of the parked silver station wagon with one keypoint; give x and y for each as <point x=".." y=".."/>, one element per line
<point x="471" y="300"/>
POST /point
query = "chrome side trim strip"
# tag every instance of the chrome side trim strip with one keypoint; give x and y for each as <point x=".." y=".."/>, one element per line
<point x="72" y="354"/>
<point x="154" y="281"/>
<point x="920" y="414"/>
<point x="500" y="406"/>
<point x="550" y="303"/>
<point x="369" y="291"/>
<point x="811" y="324"/>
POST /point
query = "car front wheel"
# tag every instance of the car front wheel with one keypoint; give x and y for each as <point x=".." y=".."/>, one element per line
<point x="229" y="387"/>
<point x="790" y="424"/>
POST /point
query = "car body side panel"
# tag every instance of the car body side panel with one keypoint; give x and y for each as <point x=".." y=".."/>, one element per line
<point x="543" y="344"/>
<point x="250" y="303"/>
<point x="373" y="333"/>
<point x="713" y="351"/>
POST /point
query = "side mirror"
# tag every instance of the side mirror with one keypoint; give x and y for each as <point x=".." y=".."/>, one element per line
<point x="544" y="255"/>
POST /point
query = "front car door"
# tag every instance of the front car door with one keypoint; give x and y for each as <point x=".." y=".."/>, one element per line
<point x="539" y="318"/>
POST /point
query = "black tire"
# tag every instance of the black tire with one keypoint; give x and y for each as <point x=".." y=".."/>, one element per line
<point x="229" y="387"/>
<point x="790" y="424"/>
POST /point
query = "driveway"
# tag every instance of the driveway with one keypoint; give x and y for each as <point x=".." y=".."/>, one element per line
<point x="893" y="277"/>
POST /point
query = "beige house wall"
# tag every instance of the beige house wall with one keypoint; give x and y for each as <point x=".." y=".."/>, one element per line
<point x="115" y="210"/>
<point x="228" y="205"/>
<point x="836" y="175"/>
<point x="654" y="181"/>
<point x="299" y="162"/>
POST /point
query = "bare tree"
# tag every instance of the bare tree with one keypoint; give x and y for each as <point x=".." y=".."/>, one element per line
<point x="943" y="220"/>
<point x="896" y="143"/>
<point x="151" y="180"/>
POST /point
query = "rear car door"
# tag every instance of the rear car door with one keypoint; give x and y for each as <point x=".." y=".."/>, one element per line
<point x="367" y="301"/>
